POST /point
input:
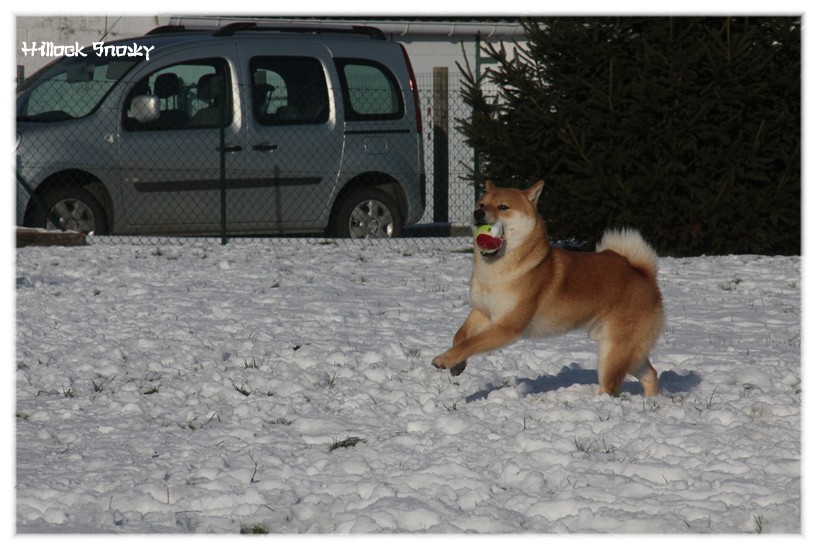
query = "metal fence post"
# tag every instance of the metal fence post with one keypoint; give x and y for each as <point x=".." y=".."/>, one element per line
<point x="441" y="169"/>
<point x="222" y="148"/>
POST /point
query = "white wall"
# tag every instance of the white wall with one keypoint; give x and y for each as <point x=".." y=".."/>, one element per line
<point x="65" y="30"/>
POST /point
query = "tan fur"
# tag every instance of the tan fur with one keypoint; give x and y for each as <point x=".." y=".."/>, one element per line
<point x="532" y="290"/>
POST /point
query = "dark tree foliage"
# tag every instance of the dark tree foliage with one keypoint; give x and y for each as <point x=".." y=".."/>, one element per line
<point x="686" y="128"/>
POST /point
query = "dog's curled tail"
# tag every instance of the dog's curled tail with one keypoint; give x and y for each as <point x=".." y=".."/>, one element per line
<point x="630" y="244"/>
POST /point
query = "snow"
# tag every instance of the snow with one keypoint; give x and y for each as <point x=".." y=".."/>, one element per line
<point x="193" y="387"/>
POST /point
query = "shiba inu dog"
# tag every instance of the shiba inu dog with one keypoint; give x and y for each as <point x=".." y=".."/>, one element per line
<point x="524" y="288"/>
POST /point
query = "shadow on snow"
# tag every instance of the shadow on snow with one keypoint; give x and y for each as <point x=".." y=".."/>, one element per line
<point x="574" y="374"/>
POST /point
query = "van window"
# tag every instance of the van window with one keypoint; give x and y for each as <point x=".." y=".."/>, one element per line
<point x="190" y="94"/>
<point x="289" y="90"/>
<point x="70" y="88"/>
<point x="370" y="91"/>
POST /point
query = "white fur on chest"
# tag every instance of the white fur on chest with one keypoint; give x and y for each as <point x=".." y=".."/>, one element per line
<point x="492" y="295"/>
<point x="496" y="294"/>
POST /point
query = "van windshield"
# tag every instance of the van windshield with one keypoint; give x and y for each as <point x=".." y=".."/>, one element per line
<point x="71" y="87"/>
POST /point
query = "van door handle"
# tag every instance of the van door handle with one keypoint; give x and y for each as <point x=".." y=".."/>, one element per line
<point x="265" y="146"/>
<point x="229" y="148"/>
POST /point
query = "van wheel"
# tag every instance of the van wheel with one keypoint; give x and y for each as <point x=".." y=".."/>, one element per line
<point x="76" y="209"/>
<point x="367" y="213"/>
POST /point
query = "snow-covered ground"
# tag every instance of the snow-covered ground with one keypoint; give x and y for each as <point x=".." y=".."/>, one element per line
<point x="287" y="387"/>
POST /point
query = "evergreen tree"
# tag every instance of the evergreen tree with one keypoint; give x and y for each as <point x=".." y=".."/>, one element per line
<point x="687" y="129"/>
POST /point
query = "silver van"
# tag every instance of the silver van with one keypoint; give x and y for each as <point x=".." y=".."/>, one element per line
<point x="268" y="130"/>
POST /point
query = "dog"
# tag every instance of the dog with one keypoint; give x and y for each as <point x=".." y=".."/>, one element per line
<point x="528" y="289"/>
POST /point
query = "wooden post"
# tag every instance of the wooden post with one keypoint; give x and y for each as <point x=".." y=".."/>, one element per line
<point x="441" y="159"/>
<point x="40" y="237"/>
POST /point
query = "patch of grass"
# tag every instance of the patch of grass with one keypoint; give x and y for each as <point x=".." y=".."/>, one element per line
<point x="758" y="524"/>
<point x="452" y="407"/>
<point x="257" y="528"/>
<point x="708" y="404"/>
<point x="251" y="364"/>
<point x="193" y="424"/>
<point x="243" y="390"/>
<point x="98" y="387"/>
<point x="583" y="445"/>
<point x="255" y="469"/>
<point x="653" y="404"/>
<point x="349" y="442"/>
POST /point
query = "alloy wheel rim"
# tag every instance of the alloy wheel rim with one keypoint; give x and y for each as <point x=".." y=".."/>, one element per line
<point x="74" y="215"/>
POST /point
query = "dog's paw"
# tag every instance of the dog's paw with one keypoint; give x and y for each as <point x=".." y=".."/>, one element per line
<point x="444" y="363"/>
<point x="439" y="362"/>
<point x="458" y="369"/>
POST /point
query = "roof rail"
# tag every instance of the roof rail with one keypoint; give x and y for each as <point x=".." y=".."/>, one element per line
<point x="166" y="29"/>
<point x="230" y="29"/>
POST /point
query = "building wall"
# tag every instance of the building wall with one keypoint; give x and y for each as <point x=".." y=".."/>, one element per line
<point x="66" y="30"/>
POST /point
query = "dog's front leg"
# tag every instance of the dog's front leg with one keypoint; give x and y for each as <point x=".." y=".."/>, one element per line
<point x="487" y="338"/>
<point x="475" y="322"/>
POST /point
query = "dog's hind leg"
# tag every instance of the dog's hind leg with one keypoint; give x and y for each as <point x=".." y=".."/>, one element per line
<point x="647" y="375"/>
<point x="624" y="349"/>
<point x="615" y="361"/>
<point x="613" y="364"/>
<point x="641" y="368"/>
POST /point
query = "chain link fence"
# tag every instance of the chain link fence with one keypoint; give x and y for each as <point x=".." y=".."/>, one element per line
<point x="187" y="152"/>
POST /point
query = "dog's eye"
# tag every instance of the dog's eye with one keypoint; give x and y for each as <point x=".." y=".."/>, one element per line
<point x="504" y="207"/>
<point x="481" y="205"/>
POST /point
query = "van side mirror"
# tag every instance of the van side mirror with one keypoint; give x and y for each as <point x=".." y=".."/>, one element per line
<point x="145" y="108"/>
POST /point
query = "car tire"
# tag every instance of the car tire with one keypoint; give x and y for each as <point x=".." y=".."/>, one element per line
<point x="76" y="208"/>
<point x="367" y="213"/>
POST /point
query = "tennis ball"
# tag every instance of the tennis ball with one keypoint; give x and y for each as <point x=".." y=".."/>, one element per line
<point x="488" y="238"/>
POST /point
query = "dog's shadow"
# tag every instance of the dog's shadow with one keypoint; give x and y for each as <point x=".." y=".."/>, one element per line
<point x="574" y="374"/>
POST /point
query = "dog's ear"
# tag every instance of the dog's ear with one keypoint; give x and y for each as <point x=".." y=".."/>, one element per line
<point x="489" y="186"/>
<point x="534" y="191"/>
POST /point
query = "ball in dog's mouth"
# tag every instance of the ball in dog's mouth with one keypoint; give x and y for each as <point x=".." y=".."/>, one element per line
<point x="488" y="238"/>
